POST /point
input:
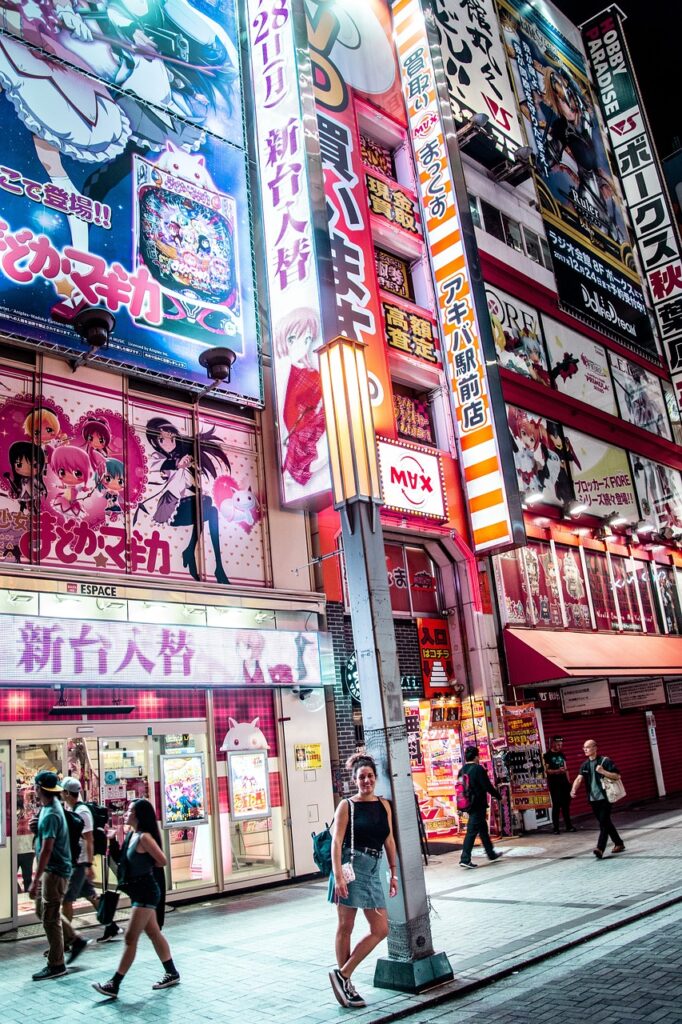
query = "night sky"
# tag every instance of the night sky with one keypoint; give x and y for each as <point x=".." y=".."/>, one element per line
<point x="653" y="30"/>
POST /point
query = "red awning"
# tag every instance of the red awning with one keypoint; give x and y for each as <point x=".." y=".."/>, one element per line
<point x="539" y="656"/>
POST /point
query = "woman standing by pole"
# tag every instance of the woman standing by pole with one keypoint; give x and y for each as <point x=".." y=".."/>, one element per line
<point x="139" y="876"/>
<point x="362" y="830"/>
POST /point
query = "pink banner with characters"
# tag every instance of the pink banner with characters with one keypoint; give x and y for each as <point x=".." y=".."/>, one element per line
<point x="94" y="481"/>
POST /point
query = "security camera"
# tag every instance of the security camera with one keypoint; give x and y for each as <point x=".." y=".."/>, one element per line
<point x="95" y="326"/>
<point x="218" y="363"/>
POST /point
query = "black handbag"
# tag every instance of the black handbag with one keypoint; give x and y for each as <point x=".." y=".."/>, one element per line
<point x="107" y="906"/>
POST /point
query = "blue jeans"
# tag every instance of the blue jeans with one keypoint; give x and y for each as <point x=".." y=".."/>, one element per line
<point x="478" y="826"/>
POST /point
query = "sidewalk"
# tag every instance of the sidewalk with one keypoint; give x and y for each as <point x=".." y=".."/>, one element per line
<point x="265" y="956"/>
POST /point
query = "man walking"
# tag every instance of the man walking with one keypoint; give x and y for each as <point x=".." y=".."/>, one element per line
<point x="592" y="771"/>
<point x="52" y="873"/>
<point x="479" y="785"/>
<point x="80" y="883"/>
<point x="559" y="784"/>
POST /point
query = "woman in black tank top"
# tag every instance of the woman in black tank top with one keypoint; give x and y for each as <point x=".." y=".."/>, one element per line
<point x="140" y="870"/>
<point x="362" y="830"/>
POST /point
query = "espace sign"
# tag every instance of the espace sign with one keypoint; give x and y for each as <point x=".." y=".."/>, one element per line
<point x="411" y="479"/>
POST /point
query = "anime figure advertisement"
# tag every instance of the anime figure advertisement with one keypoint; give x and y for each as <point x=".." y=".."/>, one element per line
<point x="603" y="482"/>
<point x="91" y="481"/>
<point x="543" y="457"/>
<point x="138" y="202"/>
<point x="659" y="489"/>
<point x="579" y="198"/>
<point x="518" y="336"/>
<point x="183" y="787"/>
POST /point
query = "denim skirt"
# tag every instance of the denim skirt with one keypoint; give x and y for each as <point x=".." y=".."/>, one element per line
<point x="367" y="892"/>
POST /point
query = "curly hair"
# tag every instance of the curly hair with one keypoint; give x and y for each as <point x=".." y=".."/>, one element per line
<point x="357" y="761"/>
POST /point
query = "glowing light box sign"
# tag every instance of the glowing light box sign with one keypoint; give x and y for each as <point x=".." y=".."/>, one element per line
<point x="41" y="650"/>
<point x="411" y="479"/>
<point x="489" y="512"/>
<point x="290" y="253"/>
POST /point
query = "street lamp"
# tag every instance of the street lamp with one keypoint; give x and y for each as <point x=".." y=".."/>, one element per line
<point x="412" y="964"/>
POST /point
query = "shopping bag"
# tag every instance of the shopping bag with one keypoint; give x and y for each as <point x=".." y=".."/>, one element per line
<point x="106" y="907"/>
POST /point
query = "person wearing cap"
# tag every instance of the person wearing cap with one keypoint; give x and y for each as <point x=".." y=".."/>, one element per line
<point x="52" y="873"/>
<point x="80" y="883"/>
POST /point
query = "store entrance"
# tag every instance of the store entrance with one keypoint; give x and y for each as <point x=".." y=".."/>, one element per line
<point x="119" y="764"/>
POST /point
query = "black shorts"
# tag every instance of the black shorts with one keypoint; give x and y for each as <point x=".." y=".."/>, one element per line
<point x="143" y="892"/>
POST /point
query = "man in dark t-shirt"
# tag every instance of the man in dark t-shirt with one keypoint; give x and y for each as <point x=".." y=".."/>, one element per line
<point x="592" y="771"/>
<point x="559" y="785"/>
<point x="479" y="787"/>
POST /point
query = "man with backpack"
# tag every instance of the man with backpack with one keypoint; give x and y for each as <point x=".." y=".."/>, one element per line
<point x="473" y="787"/>
<point x="52" y="873"/>
<point x="80" y="884"/>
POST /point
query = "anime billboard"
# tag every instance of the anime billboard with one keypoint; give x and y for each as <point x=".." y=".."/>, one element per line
<point x="543" y="457"/>
<point x="579" y="199"/>
<point x="90" y="481"/>
<point x="118" y="190"/>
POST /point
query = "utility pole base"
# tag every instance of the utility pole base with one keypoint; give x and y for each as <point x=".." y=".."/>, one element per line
<point x="413" y="975"/>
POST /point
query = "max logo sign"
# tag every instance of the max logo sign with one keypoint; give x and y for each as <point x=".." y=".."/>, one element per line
<point x="413" y="482"/>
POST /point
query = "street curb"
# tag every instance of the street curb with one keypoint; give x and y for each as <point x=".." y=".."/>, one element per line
<point x="453" y="991"/>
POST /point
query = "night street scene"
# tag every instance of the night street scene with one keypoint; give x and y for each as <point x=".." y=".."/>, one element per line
<point x="340" y="511"/>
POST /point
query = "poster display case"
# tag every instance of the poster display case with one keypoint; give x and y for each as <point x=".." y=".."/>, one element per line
<point x="249" y="789"/>
<point x="183" y="790"/>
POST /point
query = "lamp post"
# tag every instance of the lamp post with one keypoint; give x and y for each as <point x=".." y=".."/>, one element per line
<point x="412" y="964"/>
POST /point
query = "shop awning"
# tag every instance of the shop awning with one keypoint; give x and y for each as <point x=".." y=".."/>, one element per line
<point x="538" y="656"/>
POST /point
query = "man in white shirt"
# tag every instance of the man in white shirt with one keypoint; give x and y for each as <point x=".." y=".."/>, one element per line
<point x="80" y="884"/>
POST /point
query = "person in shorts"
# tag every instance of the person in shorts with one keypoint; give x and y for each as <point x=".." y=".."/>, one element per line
<point x="140" y="875"/>
<point x="360" y="842"/>
<point x="80" y="883"/>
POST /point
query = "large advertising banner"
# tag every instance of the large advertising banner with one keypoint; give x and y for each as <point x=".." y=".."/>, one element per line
<point x="90" y="481"/>
<point x="578" y="366"/>
<point x="601" y="477"/>
<point x="476" y="411"/>
<point x="119" y="192"/>
<point x="640" y="396"/>
<point x="659" y="489"/>
<point x="518" y="336"/>
<point x="641" y="176"/>
<point x="351" y="51"/>
<point x="293" y="288"/>
<point x="476" y="70"/>
<point x="579" y="200"/>
<point x="543" y="457"/>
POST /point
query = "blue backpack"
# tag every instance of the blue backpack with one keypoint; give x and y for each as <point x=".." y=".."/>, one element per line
<point x="322" y="849"/>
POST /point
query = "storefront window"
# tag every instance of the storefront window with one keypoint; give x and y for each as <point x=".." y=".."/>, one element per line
<point x="543" y="585"/>
<point x="646" y="595"/>
<point x="423" y="588"/>
<point x="31" y="758"/>
<point x="512" y="584"/>
<point x="5" y="844"/>
<point x="397" y="578"/>
<point x="670" y="598"/>
<point x="625" y="585"/>
<point x="573" y="588"/>
<point x="603" y="599"/>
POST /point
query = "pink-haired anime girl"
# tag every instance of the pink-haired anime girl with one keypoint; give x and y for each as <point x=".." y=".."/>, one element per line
<point x="72" y="468"/>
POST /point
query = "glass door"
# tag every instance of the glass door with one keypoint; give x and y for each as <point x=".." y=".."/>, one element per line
<point x="5" y="832"/>
<point x="32" y="756"/>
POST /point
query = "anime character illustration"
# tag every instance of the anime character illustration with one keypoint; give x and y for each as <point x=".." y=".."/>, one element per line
<point x="26" y="484"/>
<point x="560" y="446"/>
<point x="250" y="646"/>
<point x="174" y="462"/>
<point x="572" y="577"/>
<point x="527" y="436"/>
<point x="111" y="484"/>
<point x="97" y="439"/>
<point x="236" y="504"/>
<point x="520" y="350"/>
<point x="296" y="338"/>
<point x="73" y="471"/>
<point x="244" y="736"/>
<point x="42" y="426"/>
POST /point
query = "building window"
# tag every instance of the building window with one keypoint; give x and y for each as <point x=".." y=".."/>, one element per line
<point x="512" y="233"/>
<point x="492" y="221"/>
<point x="475" y="212"/>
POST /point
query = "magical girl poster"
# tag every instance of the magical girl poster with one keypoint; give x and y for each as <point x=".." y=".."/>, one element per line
<point x="123" y="183"/>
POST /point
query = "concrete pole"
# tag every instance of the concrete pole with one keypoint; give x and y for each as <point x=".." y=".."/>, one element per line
<point x="412" y="964"/>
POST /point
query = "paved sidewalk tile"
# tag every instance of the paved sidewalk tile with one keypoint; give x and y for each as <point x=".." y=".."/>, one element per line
<point x="265" y="956"/>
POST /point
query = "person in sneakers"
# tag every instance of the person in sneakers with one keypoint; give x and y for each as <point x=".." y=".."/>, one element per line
<point x="140" y="871"/>
<point x="479" y="787"/>
<point x="592" y="771"/>
<point x="52" y="873"/>
<point x="80" y="883"/>
<point x="360" y="841"/>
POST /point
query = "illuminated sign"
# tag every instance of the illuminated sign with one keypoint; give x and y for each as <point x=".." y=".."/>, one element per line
<point x="411" y="479"/>
<point x="470" y="393"/>
<point x="410" y="333"/>
<point x="291" y="266"/>
<point x="37" y="649"/>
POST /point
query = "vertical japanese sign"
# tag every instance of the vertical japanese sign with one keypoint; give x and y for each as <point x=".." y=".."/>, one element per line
<point x="641" y="176"/>
<point x="476" y="70"/>
<point x="351" y="53"/>
<point x="435" y="652"/>
<point x="291" y="269"/>
<point x="484" y="481"/>
<point x="579" y="199"/>
<point x="123" y="184"/>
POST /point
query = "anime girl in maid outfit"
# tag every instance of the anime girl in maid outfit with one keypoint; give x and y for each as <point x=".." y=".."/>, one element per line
<point x="173" y="460"/>
<point x="296" y="338"/>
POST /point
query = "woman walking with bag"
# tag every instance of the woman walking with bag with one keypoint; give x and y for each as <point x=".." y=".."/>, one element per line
<point x="362" y="830"/>
<point x="140" y="875"/>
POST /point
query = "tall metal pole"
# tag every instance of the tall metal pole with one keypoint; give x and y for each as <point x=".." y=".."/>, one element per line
<point x="412" y="964"/>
